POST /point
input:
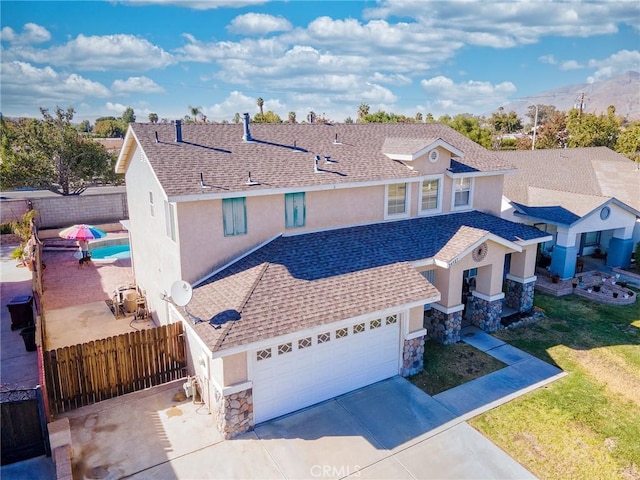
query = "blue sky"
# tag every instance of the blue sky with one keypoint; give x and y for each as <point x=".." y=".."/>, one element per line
<point x="403" y="56"/>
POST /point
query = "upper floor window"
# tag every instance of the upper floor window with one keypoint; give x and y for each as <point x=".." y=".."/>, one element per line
<point x="430" y="196"/>
<point x="397" y="199"/>
<point x="462" y="192"/>
<point x="294" y="210"/>
<point x="170" y="219"/>
<point x="234" y="216"/>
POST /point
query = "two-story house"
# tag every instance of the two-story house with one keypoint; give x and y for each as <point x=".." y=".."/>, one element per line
<point x="320" y="256"/>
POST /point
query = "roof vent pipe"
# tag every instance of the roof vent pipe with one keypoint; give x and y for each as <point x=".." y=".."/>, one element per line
<point x="178" y="130"/>
<point x="327" y="159"/>
<point x="157" y="141"/>
<point x="246" y="137"/>
<point x="315" y="165"/>
<point x="335" y="140"/>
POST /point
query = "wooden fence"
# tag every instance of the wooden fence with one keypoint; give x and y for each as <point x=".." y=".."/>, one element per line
<point x="91" y="372"/>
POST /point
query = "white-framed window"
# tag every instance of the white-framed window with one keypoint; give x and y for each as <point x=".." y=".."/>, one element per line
<point x="234" y="216"/>
<point x="151" y="204"/>
<point x="462" y="193"/>
<point x="294" y="210"/>
<point x="431" y="195"/>
<point x="170" y="219"/>
<point x="397" y="200"/>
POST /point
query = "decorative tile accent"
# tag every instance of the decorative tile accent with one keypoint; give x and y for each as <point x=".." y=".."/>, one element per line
<point x="263" y="354"/>
<point x="358" y="328"/>
<point x="377" y="323"/>
<point x="342" y="332"/>
<point x="284" y="348"/>
<point x="304" y="343"/>
<point x="391" y="319"/>
<point x="324" y="337"/>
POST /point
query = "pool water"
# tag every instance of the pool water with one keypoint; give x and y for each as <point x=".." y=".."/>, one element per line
<point x="112" y="252"/>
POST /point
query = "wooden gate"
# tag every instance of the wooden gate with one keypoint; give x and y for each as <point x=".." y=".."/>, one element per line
<point x="24" y="427"/>
<point x="91" y="372"/>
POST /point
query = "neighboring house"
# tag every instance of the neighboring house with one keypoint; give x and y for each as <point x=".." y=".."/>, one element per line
<point x="588" y="199"/>
<point x="321" y="256"/>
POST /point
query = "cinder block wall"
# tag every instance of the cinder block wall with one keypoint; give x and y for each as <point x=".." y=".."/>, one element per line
<point x="59" y="211"/>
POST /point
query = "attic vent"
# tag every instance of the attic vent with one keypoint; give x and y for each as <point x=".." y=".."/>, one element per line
<point x="434" y="155"/>
<point x="251" y="182"/>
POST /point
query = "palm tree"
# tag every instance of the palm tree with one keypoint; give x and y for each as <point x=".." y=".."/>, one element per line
<point x="236" y="118"/>
<point x="292" y="117"/>
<point x="260" y="104"/>
<point x="195" y="112"/>
<point x="363" y="111"/>
<point x="153" y="117"/>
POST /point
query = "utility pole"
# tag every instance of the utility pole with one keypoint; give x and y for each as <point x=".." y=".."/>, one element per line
<point x="580" y="103"/>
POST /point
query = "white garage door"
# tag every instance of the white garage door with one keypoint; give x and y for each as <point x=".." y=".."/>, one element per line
<point x="295" y="374"/>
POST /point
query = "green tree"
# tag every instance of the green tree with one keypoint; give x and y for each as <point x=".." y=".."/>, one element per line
<point x="128" y="116"/>
<point x="236" y="118"/>
<point x="419" y="117"/>
<point x="50" y="153"/>
<point x="268" y="117"/>
<point x="84" y="126"/>
<point x="629" y="142"/>
<point x="553" y="134"/>
<point x="591" y="130"/>
<point x="292" y="117"/>
<point x="195" y="113"/>
<point x="260" y="102"/>
<point x="153" y="117"/>
<point x="348" y="120"/>
<point x="545" y="113"/>
<point x="109" y="127"/>
<point x="363" y="111"/>
<point x="470" y="126"/>
<point x="503" y="122"/>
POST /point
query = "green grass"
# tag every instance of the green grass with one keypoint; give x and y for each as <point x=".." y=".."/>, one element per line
<point x="447" y="366"/>
<point x="586" y="425"/>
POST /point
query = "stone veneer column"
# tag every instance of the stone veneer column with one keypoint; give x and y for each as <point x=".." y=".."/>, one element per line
<point x="520" y="292"/>
<point x="234" y="410"/>
<point x="446" y="323"/>
<point x="413" y="353"/>
<point x="486" y="311"/>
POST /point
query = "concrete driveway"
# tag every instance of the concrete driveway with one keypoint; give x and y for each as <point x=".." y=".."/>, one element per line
<point x="388" y="430"/>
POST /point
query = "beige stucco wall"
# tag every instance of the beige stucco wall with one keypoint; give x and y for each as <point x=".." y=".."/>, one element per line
<point x="416" y="318"/>
<point x="487" y="195"/>
<point x="523" y="264"/>
<point x="235" y="369"/>
<point x="155" y="255"/>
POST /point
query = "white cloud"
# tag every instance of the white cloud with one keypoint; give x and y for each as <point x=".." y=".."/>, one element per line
<point x="550" y="59"/>
<point x="571" y="65"/>
<point x="618" y="63"/>
<point x="136" y="85"/>
<point x="117" y="109"/>
<point x="31" y="33"/>
<point x="30" y="87"/>
<point x="392" y="79"/>
<point x="99" y="53"/>
<point x="196" y="4"/>
<point x="446" y="96"/>
<point x="258" y="24"/>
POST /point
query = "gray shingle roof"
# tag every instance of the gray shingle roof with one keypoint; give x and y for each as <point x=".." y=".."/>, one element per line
<point x="218" y="152"/>
<point x="301" y="281"/>
<point x="566" y="176"/>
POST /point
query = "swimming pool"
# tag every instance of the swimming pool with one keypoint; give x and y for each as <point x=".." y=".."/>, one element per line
<point x="111" y="252"/>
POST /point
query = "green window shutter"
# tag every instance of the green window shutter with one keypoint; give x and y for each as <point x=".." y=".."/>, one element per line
<point x="234" y="216"/>
<point x="294" y="210"/>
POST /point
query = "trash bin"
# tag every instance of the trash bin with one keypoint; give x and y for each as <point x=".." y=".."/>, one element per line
<point x="21" y="310"/>
<point x="29" y="337"/>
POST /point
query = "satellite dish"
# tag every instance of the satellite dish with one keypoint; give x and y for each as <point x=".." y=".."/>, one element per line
<point x="181" y="292"/>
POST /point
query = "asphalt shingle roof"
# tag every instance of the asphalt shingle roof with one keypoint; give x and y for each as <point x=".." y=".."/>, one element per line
<point x="282" y="155"/>
<point x="300" y="281"/>
<point x="571" y="178"/>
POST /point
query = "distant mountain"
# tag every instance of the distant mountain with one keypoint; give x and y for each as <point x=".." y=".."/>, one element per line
<point x="622" y="91"/>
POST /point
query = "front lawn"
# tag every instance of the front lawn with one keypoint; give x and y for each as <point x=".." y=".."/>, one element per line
<point x="587" y="424"/>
